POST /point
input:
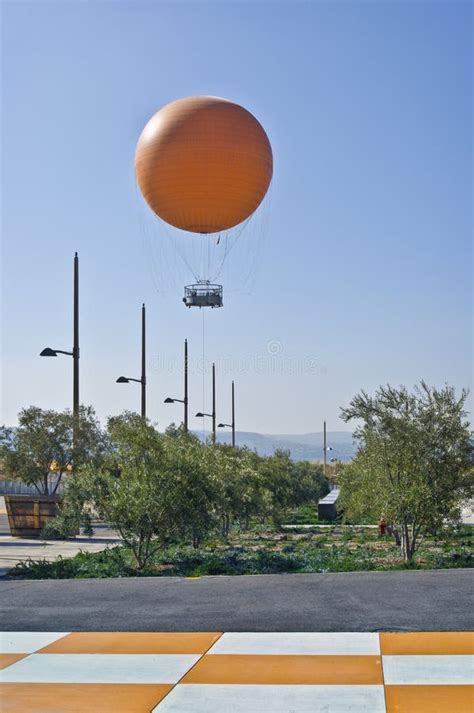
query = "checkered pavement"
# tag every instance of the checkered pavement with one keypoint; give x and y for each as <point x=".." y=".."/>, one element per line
<point x="124" y="672"/>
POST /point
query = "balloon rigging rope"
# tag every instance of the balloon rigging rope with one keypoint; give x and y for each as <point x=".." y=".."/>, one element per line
<point x="175" y="243"/>
<point x="203" y="375"/>
<point x="230" y="242"/>
<point x="211" y="258"/>
<point x="208" y="256"/>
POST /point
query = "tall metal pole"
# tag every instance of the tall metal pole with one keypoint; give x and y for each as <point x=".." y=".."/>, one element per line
<point x="75" y="355"/>
<point x="325" y="448"/>
<point x="143" y="376"/>
<point x="233" y="416"/>
<point x="186" y="385"/>
<point x="213" y="403"/>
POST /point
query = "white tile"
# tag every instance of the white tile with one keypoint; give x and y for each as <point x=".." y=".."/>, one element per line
<point x="349" y="644"/>
<point x="430" y="670"/>
<point x="26" y="642"/>
<point x="99" y="668"/>
<point x="237" y="698"/>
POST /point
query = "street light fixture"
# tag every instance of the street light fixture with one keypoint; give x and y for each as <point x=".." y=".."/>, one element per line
<point x="230" y="425"/>
<point x="48" y="352"/>
<point x="213" y="414"/>
<point x="184" y="401"/>
<point x="53" y="352"/>
<point x="142" y="379"/>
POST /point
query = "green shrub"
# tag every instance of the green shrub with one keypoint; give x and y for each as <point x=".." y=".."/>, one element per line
<point x="60" y="528"/>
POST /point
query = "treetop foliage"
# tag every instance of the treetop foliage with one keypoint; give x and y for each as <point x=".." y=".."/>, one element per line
<point x="413" y="463"/>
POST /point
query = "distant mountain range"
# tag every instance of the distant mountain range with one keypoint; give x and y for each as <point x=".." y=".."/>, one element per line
<point x="305" y="446"/>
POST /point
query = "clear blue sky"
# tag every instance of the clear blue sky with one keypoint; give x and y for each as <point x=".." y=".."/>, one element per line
<point x="365" y="277"/>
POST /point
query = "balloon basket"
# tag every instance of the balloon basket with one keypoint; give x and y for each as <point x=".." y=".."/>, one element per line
<point x="203" y="294"/>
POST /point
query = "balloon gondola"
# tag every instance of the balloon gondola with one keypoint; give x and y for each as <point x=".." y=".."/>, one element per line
<point x="203" y="165"/>
<point x="203" y="294"/>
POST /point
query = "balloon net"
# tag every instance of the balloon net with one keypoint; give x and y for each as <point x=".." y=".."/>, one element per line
<point x="176" y="257"/>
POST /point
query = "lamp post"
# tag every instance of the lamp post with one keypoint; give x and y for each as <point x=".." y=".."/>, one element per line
<point x="48" y="352"/>
<point x="324" y="448"/>
<point x="143" y="376"/>
<point x="213" y="414"/>
<point x="142" y="379"/>
<point x="327" y="449"/>
<point x="230" y="425"/>
<point x="184" y="401"/>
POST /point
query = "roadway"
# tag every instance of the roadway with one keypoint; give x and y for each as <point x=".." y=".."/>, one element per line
<point x="436" y="600"/>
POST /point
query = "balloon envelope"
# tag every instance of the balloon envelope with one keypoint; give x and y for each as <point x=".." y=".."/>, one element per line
<point x="203" y="164"/>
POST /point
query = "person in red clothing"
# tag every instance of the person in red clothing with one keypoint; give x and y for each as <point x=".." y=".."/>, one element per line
<point x="382" y="526"/>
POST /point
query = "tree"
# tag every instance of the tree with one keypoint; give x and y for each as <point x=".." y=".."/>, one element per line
<point x="309" y="483"/>
<point x="413" y="460"/>
<point x="290" y="483"/>
<point x="152" y="488"/>
<point x="131" y="490"/>
<point x="242" y="491"/>
<point x="194" y="478"/>
<point x="42" y="444"/>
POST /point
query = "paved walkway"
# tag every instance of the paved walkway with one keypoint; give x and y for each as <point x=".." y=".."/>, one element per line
<point x="467" y="513"/>
<point x="237" y="672"/>
<point x="16" y="549"/>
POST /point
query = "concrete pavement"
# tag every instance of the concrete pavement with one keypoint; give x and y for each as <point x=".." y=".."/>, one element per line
<point x="16" y="549"/>
<point x="436" y="600"/>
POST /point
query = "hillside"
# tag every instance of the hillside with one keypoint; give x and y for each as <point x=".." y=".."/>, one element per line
<point x="305" y="446"/>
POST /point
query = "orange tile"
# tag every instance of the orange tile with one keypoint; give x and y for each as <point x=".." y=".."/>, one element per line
<point x="233" y="668"/>
<point x="77" y="698"/>
<point x="427" y="642"/>
<point x="429" y="699"/>
<point x="111" y="642"/>
<point x="8" y="659"/>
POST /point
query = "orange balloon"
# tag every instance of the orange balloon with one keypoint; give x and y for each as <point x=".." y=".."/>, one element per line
<point x="203" y="164"/>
